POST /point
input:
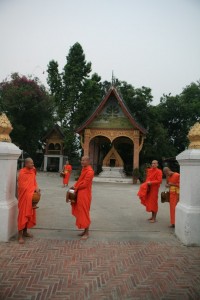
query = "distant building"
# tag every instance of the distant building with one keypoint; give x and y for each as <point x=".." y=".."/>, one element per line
<point x="111" y="137"/>
<point x="54" y="149"/>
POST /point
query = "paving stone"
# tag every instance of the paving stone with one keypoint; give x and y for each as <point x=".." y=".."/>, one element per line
<point x="56" y="269"/>
<point x="125" y="257"/>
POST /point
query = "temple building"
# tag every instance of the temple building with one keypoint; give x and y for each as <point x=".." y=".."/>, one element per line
<point x="111" y="137"/>
<point x="54" y="149"/>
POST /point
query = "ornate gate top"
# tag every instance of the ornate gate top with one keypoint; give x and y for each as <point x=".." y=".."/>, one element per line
<point x="194" y="136"/>
<point x="5" y="128"/>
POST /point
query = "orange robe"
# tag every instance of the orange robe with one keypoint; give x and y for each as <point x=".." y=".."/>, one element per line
<point x="26" y="187"/>
<point x="148" y="194"/>
<point x="83" y="187"/>
<point x="173" y="195"/>
<point x="67" y="171"/>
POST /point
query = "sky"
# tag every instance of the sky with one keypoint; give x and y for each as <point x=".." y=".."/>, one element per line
<point x="152" y="43"/>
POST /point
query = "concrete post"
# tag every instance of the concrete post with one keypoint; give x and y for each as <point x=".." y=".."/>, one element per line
<point x="9" y="153"/>
<point x="45" y="162"/>
<point x="60" y="163"/>
<point x="188" y="209"/>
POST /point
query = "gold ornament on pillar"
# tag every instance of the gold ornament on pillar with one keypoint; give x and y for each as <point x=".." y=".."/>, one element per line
<point x="5" y="129"/>
<point x="194" y="136"/>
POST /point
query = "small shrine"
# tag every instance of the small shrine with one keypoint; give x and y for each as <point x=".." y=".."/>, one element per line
<point x="113" y="159"/>
<point x="111" y="137"/>
<point x="54" y="149"/>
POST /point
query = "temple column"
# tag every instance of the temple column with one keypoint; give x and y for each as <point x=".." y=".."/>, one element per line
<point x="136" y="149"/>
<point x="86" y="142"/>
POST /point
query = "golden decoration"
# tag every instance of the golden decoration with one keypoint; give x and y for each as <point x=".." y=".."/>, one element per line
<point x="113" y="154"/>
<point x="194" y="136"/>
<point x="5" y="128"/>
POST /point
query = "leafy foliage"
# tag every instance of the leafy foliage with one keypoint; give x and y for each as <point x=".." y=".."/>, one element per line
<point x="179" y="113"/>
<point x="89" y="99"/>
<point x="29" y="108"/>
<point x="75" y="93"/>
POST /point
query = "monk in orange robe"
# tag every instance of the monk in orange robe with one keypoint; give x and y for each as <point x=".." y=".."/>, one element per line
<point x="148" y="192"/>
<point x="83" y="189"/>
<point x="26" y="186"/>
<point x="67" y="169"/>
<point x="173" y="182"/>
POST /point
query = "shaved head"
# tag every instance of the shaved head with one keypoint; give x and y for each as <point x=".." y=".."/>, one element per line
<point x="29" y="163"/>
<point x="154" y="163"/>
<point x="28" y="159"/>
<point x="85" y="161"/>
<point x="167" y="171"/>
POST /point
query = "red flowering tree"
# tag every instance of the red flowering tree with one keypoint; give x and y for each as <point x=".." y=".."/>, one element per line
<point x="29" y="108"/>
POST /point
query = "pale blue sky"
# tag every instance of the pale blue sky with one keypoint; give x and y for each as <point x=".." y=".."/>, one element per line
<point x="155" y="43"/>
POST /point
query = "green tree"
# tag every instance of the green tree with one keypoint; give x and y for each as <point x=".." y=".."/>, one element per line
<point x="157" y="143"/>
<point x="89" y="99"/>
<point x="178" y="113"/>
<point x="29" y="108"/>
<point x="138" y="101"/>
<point x="54" y="81"/>
<point x="76" y="71"/>
<point x="75" y="92"/>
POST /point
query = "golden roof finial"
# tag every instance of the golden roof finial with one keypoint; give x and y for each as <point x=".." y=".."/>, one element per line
<point x="5" y="128"/>
<point x="194" y="136"/>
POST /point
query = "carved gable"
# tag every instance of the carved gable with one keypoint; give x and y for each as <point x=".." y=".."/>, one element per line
<point x="111" y="116"/>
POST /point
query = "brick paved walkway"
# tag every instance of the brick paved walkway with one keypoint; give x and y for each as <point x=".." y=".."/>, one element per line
<point x="125" y="257"/>
<point x="77" y="270"/>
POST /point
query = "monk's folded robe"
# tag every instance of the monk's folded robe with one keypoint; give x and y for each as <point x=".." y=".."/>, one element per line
<point x="26" y="186"/>
<point x="173" y="194"/>
<point x="67" y="172"/>
<point x="149" y="195"/>
<point x="83" y="188"/>
<point x="142" y="193"/>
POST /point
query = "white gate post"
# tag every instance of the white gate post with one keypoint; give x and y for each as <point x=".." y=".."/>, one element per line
<point x="187" y="226"/>
<point x="9" y="153"/>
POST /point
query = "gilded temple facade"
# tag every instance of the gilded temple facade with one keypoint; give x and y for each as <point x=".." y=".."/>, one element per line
<point x="111" y="128"/>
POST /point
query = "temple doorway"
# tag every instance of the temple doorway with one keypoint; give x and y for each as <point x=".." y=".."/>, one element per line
<point x="100" y="147"/>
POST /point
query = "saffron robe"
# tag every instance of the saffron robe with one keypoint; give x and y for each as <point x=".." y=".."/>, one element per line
<point x="148" y="194"/>
<point x="26" y="186"/>
<point x="67" y="170"/>
<point x="173" y="194"/>
<point x="83" y="188"/>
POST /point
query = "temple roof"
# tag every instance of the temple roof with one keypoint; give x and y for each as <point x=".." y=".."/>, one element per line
<point x="125" y="110"/>
<point x="55" y="128"/>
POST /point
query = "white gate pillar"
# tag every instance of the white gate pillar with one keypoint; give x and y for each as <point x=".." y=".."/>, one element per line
<point x="9" y="153"/>
<point x="187" y="226"/>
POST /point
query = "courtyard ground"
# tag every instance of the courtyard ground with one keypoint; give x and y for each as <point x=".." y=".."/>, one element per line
<point x="124" y="258"/>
